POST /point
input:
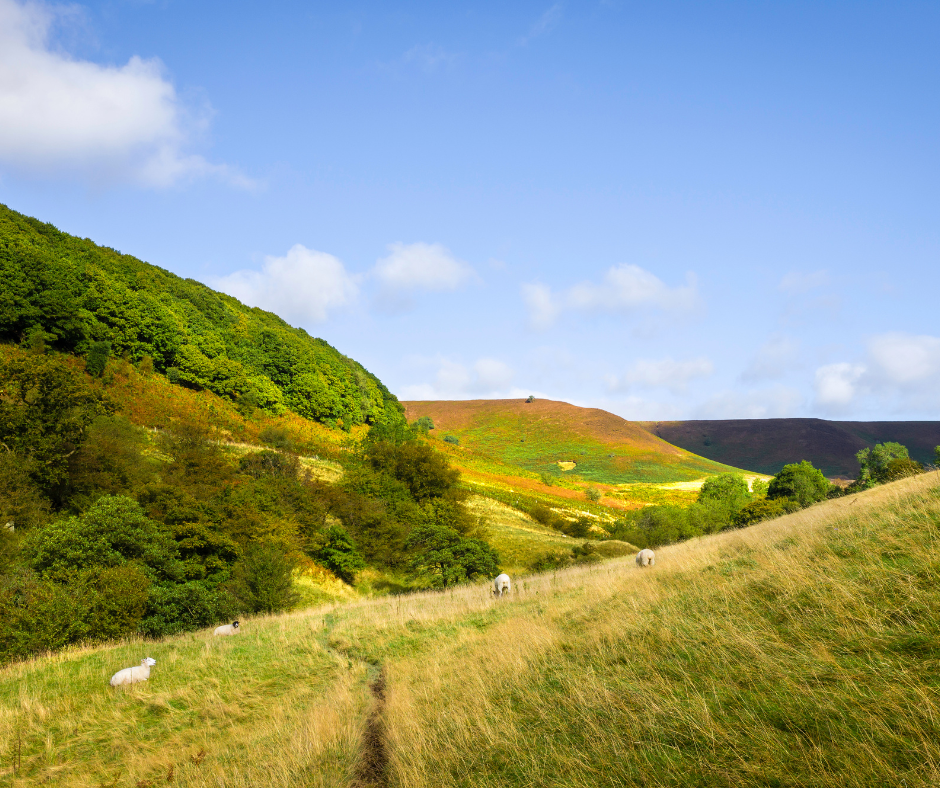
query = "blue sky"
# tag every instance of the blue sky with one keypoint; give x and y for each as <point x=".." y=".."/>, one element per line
<point x="667" y="210"/>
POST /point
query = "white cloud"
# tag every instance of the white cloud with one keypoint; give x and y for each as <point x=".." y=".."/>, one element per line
<point x="485" y="378"/>
<point x="775" y="402"/>
<point x="905" y="360"/>
<point x="304" y="285"/>
<point x="837" y="385"/>
<point x="108" y="123"/>
<point x="772" y="360"/>
<point x="797" y="282"/>
<point x="542" y="306"/>
<point x="421" y="266"/>
<point x="663" y="373"/>
<point x="625" y="289"/>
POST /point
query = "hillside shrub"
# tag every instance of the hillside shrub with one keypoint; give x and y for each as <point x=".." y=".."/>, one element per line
<point x="727" y="490"/>
<point x="799" y="482"/>
<point x="901" y="468"/>
<point x="339" y="554"/>
<point x="593" y="494"/>
<point x="424" y="424"/>
<point x="262" y="581"/>
<point x="443" y="557"/>
<point x="758" y="511"/>
<point x="873" y="463"/>
<point x="453" y="439"/>
<point x="96" y="360"/>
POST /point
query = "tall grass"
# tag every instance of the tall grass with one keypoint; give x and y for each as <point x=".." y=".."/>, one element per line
<point x="799" y="652"/>
<point x="269" y="707"/>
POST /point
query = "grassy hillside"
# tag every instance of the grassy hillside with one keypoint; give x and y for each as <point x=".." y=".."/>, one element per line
<point x="798" y="652"/>
<point x="766" y="445"/>
<point x="76" y="296"/>
<point x="594" y="445"/>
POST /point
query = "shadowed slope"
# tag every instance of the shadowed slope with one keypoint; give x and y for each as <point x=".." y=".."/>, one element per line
<point x="766" y="445"/>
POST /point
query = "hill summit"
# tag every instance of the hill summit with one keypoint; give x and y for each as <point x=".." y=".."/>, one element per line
<point x="79" y="297"/>
<point x="556" y="438"/>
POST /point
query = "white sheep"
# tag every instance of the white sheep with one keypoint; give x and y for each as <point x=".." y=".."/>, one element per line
<point x="135" y="674"/>
<point x="227" y="629"/>
<point x="502" y="585"/>
<point x="645" y="558"/>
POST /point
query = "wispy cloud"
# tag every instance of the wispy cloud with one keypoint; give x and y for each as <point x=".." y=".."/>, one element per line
<point x="625" y="289"/>
<point x="64" y="116"/>
<point x="545" y="24"/>
<point x="410" y="268"/>
<point x="662" y="373"/>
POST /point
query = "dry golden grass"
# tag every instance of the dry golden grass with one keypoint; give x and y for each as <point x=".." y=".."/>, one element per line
<point x="799" y="652"/>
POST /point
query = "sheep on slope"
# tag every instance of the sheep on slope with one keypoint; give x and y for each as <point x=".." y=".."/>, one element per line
<point x="501" y="584"/>
<point x="226" y="629"/>
<point x="645" y="558"/>
<point x="133" y="675"/>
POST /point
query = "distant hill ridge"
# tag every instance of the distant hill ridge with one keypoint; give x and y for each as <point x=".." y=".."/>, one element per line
<point x="71" y="293"/>
<point x="538" y="435"/>
<point x="766" y="445"/>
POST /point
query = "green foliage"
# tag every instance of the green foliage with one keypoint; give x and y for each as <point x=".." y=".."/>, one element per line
<point x="759" y="510"/>
<point x="115" y="531"/>
<point x="453" y="439"/>
<point x="96" y="360"/>
<point x="179" y="607"/>
<point x="873" y="463"/>
<point x="726" y="489"/>
<point x="425" y="424"/>
<point x="45" y="412"/>
<point x="799" y="482"/>
<point x="759" y="488"/>
<point x="21" y="502"/>
<point x="654" y="526"/>
<point x="901" y="468"/>
<point x="593" y="494"/>
<point x="422" y="470"/>
<point x="445" y="558"/>
<point x="339" y="554"/>
<point x="547" y="479"/>
<point x="74" y="296"/>
<point x="270" y="463"/>
<point x="263" y="579"/>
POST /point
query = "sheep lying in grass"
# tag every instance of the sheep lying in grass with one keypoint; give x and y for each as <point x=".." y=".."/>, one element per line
<point x="135" y="674"/>
<point x="227" y="629"/>
<point x="501" y="585"/>
<point x="645" y="558"/>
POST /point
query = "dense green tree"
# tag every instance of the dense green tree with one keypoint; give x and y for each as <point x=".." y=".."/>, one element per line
<point x="114" y="532"/>
<point x="339" y="554"/>
<point x="96" y="360"/>
<point x="45" y="412"/>
<point x="873" y="463"/>
<point x="799" y="482"/>
<point x="80" y="297"/>
<point x="425" y="472"/>
<point x="728" y="490"/>
<point x="445" y="558"/>
<point x="263" y="579"/>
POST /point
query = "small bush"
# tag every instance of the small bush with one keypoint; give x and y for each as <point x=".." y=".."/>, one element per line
<point x="452" y="439"/>
<point x="263" y="581"/>
<point x="97" y="359"/>
<point x="270" y="463"/>
<point x="277" y="437"/>
<point x="593" y="494"/>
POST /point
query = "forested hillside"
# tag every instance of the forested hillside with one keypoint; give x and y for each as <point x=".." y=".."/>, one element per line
<point x="73" y="295"/>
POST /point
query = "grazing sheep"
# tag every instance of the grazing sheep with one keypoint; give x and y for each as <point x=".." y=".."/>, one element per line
<point x="227" y="629"/>
<point x="501" y="584"/>
<point x="135" y="674"/>
<point x="645" y="558"/>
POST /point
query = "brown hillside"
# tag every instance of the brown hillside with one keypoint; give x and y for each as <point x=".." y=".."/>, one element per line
<point x="766" y="445"/>
<point x="462" y="415"/>
<point x="595" y="445"/>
